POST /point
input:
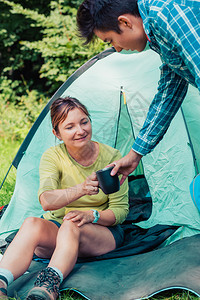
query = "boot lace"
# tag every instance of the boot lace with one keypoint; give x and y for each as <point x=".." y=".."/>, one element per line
<point x="49" y="279"/>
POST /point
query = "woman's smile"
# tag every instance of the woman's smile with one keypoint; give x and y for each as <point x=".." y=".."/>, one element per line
<point x="76" y="130"/>
<point x="80" y="138"/>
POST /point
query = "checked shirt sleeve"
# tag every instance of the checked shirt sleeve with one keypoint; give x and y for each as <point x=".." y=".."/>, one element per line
<point x="171" y="92"/>
<point x="184" y="35"/>
<point x="179" y="27"/>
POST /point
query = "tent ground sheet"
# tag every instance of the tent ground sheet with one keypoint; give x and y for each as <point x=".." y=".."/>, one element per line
<point x="132" y="277"/>
<point x="140" y="267"/>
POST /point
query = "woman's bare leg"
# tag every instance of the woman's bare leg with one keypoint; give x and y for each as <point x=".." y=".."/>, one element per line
<point x="67" y="247"/>
<point x="62" y="245"/>
<point x="87" y="240"/>
<point x="33" y="233"/>
<point x="96" y="240"/>
<point x="63" y="259"/>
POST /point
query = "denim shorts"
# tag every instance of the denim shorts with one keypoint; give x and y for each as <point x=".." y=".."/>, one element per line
<point x="116" y="230"/>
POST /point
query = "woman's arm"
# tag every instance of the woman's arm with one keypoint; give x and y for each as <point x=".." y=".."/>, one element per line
<point x="107" y="217"/>
<point x="58" y="198"/>
<point x="118" y="208"/>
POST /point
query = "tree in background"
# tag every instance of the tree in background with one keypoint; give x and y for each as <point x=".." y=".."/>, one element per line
<point x="39" y="50"/>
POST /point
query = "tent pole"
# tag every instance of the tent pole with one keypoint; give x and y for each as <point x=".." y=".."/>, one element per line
<point x="5" y="176"/>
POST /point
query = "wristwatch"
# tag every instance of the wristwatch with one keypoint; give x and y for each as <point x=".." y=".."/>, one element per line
<point x="96" y="215"/>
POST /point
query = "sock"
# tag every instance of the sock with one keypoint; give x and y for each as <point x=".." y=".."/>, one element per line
<point x="6" y="275"/>
<point x="58" y="272"/>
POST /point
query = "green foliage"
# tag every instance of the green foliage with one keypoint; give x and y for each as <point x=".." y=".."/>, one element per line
<point x="8" y="150"/>
<point x="41" y="46"/>
<point x="18" y="116"/>
<point x="39" y="50"/>
<point x="60" y="47"/>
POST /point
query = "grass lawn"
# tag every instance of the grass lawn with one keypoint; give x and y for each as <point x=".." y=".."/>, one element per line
<point x="8" y="150"/>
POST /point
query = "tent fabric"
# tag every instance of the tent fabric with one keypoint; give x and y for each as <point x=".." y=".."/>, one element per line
<point x="175" y="266"/>
<point x="117" y="89"/>
<point x="169" y="169"/>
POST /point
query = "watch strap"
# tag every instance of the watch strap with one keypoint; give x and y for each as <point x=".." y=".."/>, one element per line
<point x="96" y="215"/>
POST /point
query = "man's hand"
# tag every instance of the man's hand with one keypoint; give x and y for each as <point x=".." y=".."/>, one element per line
<point x="126" y="165"/>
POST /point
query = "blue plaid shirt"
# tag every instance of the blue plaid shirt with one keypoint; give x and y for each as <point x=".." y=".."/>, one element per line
<point x="173" y="31"/>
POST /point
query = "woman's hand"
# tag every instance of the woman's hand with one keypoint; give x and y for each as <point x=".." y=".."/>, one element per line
<point x="83" y="217"/>
<point x="90" y="185"/>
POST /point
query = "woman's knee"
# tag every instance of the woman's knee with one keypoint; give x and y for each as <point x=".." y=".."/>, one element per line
<point x="33" y="224"/>
<point x="71" y="228"/>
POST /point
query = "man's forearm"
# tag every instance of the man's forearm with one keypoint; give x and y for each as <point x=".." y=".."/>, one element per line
<point x="171" y="93"/>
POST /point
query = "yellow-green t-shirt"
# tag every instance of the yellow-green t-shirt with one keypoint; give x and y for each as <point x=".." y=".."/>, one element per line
<point x="58" y="170"/>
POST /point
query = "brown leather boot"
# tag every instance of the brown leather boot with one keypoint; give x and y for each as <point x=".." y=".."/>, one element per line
<point x="46" y="286"/>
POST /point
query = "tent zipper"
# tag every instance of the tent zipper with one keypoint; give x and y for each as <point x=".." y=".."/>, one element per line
<point x="123" y="94"/>
<point x="125" y="103"/>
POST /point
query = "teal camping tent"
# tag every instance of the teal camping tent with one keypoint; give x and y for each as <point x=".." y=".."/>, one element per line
<point x="117" y="89"/>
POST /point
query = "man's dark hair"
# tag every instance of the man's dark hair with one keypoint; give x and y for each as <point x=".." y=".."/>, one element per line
<point x="103" y="15"/>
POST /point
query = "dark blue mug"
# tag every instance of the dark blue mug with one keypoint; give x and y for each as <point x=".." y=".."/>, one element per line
<point x="109" y="184"/>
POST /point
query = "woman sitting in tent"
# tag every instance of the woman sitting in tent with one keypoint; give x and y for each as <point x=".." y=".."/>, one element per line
<point x="72" y="227"/>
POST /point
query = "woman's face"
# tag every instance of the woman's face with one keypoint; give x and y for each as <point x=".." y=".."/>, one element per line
<point x="76" y="129"/>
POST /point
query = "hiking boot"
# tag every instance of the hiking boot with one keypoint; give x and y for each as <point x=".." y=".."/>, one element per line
<point x="3" y="288"/>
<point x="46" y="286"/>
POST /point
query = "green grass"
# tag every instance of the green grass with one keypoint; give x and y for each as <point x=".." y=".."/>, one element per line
<point x="167" y="295"/>
<point x="8" y="150"/>
<point x="175" y="295"/>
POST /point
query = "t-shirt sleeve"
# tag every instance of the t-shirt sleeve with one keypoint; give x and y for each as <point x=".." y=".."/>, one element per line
<point x="118" y="202"/>
<point x="49" y="172"/>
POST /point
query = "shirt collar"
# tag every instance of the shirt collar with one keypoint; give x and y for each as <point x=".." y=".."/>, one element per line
<point x="143" y="6"/>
